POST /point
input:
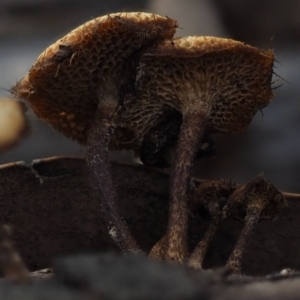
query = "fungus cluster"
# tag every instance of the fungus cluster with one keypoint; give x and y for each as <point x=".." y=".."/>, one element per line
<point x="256" y="200"/>
<point x="114" y="81"/>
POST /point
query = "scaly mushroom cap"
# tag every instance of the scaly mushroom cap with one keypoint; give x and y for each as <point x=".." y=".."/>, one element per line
<point x="231" y="77"/>
<point x="259" y="193"/>
<point x="211" y="194"/>
<point x="64" y="84"/>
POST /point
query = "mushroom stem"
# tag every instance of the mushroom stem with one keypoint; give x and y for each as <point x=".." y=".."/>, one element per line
<point x="251" y="219"/>
<point x="211" y="194"/>
<point x="196" y="259"/>
<point x="158" y="251"/>
<point x="191" y="132"/>
<point x="101" y="178"/>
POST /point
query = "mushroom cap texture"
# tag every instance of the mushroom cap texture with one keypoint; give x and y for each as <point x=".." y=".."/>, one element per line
<point x="234" y="79"/>
<point x="259" y="194"/>
<point x="67" y="80"/>
<point x="133" y="54"/>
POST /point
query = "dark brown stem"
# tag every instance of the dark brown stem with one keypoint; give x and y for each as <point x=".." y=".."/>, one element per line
<point x="101" y="180"/>
<point x="159" y="249"/>
<point x="251" y="219"/>
<point x="191" y="132"/>
<point x="196" y="259"/>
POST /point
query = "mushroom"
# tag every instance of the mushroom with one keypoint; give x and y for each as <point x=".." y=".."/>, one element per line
<point x="217" y="85"/>
<point x="78" y="85"/>
<point x="212" y="194"/>
<point x="13" y="123"/>
<point x="257" y="199"/>
<point x="119" y="75"/>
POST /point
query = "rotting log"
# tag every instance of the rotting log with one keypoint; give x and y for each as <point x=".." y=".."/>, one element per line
<point x="54" y="212"/>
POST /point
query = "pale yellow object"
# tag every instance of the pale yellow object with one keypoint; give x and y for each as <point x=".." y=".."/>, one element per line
<point x="13" y="123"/>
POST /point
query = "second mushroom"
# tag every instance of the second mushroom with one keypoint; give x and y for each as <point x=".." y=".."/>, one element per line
<point x="217" y="85"/>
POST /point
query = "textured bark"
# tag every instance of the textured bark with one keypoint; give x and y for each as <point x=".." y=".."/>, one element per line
<point x="54" y="212"/>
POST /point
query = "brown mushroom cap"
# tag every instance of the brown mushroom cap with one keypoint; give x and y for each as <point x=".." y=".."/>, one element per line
<point x="64" y="84"/>
<point x="231" y="77"/>
<point x="258" y="193"/>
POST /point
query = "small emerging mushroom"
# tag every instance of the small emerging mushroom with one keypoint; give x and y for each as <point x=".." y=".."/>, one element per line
<point x="258" y="199"/>
<point x="78" y="86"/>
<point x="217" y="85"/>
<point x="210" y="194"/>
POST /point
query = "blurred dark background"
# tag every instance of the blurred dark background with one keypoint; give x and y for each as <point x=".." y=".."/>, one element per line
<point x="270" y="145"/>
